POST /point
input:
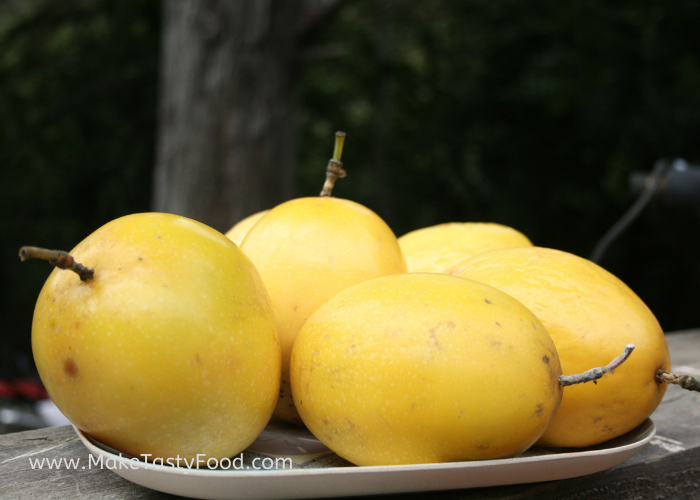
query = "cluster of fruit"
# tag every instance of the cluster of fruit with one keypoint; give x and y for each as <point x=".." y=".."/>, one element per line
<point x="446" y="344"/>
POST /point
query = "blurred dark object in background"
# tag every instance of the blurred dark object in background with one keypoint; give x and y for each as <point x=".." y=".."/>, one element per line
<point x="679" y="186"/>
<point x="676" y="183"/>
<point x="24" y="403"/>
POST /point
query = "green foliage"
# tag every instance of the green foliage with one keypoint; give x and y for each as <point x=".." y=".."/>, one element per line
<point x="527" y="113"/>
<point x="77" y="101"/>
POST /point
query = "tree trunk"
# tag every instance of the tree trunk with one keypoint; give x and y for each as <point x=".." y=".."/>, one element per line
<point x="227" y="116"/>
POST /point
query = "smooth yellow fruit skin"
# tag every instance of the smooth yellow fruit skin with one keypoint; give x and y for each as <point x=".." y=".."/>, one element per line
<point x="170" y="350"/>
<point x="309" y="249"/>
<point x="239" y="230"/>
<point x="436" y="248"/>
<point x="591" y="315"/>
<point x="424" y="368"/>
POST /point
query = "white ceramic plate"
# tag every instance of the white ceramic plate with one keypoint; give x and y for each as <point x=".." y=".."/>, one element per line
<point x="323" y="474"/>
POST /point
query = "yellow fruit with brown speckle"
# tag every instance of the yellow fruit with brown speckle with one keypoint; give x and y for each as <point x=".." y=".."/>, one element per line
<point x="590" y="315"/>
<point x="170" y="350"/>
<point x="309" y="249"/>
<point x="423" y="368"/>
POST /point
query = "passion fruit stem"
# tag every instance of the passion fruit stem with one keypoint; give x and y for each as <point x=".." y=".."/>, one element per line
<point x="596" y="373"/>
<point x="685" y="381"/>
<point x="334" y="170"/>
<point x="58" y="258"/>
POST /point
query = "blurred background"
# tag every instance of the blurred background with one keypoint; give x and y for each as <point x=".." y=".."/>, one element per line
<point x="533" y="114"/>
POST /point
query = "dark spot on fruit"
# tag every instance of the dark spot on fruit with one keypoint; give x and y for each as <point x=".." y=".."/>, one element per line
<point x="540" y="410"/>
<point x="76" y="325"/>
<point x="483" y="446"/>
<point x="301" y="402"/>
<point x="545" y="359"/>
<point x="296" y="308"/>
<point x="596" y="420"/>
<point x="534" y="326"/>
<point x="70" y="368"/>
<point x="497" y="323"/>
<point x="284" y="381"/>
<point x="487" y="301"/>
<point x="291" y="406"/>
<point x="433" y="341"/>
<point x="140" y="258"/>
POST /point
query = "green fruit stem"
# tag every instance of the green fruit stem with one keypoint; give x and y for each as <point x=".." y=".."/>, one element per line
<point x="58" y="258"/>
<point x="596" y="373"/>
<point x="685" y="381"/>
<point x="334" y="170"/>
<point x="338" y="149"/>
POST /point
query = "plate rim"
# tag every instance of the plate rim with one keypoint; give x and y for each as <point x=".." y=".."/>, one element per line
<point x="646" y="430"/>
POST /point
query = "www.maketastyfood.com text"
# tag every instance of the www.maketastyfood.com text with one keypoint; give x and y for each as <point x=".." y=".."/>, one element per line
<point x="134" y="463"/>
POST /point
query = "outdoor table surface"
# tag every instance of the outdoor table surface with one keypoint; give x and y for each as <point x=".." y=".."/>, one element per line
<point x="669" y="467"/>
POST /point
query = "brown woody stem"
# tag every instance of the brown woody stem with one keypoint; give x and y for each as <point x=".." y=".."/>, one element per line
<point x="596" y="373"/>
<point x="334" y="170"/>
<point x="685" y="381"/>
<point x="58" y="258"/>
